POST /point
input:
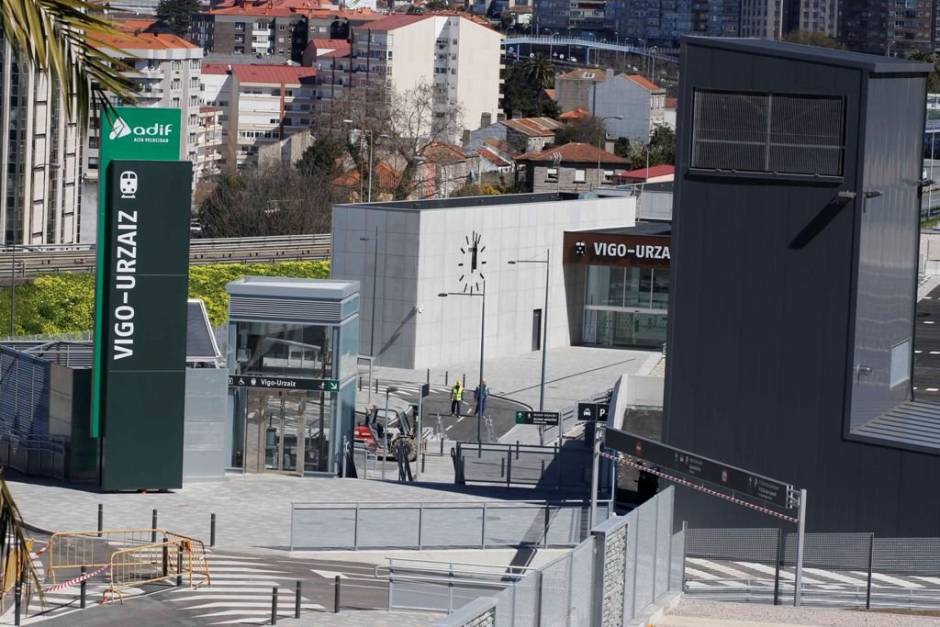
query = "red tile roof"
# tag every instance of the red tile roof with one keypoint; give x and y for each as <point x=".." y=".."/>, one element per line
<point x="500" y="147"/>
<point x="550" y="93"/>
<point x="396" y="21"/>
<point x="583" y="74"/>
<point x="273" y="74"/>
<point x="644" y="82"/>
<point x="578" y="113"/>
<point x="285" y="8"/>
<point x="641" y="174"/>
<point x="215" y="68"/>
<point x="574" y="152"/>
<point x="534" y="127"/>
<point x="128" y="41"/>
<point x="494" y="158"/>
<point x="330" y="47"/>
<point x="443" y="154"/>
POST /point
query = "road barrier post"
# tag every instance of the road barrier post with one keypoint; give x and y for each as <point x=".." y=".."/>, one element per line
<point x="297" y="600"/>
<point x="100" y="518"/>
<point x="336" y="597"/>
<point x="777" y="564"/>
<point x="17" y="594"/>
<point x="800" y="542"/>
<point x="153" y="527"/>
<point x="166" y="557"/>
<point x="871" y="560"/>
<point x="179" y="565"/>
<point x="274" y="605"/>
<point x="212" y="530"/>
<point x="83" y="590"/>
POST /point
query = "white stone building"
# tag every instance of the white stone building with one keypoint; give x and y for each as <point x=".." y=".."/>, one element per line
<point x="430" y="247"/>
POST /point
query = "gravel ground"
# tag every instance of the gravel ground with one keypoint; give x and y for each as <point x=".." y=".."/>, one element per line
<point x="796" y="615"/>
<point x="374" y="618"/>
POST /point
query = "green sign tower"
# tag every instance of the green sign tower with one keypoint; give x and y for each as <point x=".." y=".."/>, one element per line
<point x="125" y="133"/>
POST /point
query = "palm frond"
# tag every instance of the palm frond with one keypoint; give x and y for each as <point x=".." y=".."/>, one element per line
<point x="13" y="541"/>
<point x="62" y="38"/>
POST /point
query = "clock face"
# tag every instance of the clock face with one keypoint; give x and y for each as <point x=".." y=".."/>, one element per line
<point x="470" y="268"/>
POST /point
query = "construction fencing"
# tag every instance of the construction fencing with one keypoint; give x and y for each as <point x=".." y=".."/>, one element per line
<point x="439" y="525"/>
<point x="626" y="565"/>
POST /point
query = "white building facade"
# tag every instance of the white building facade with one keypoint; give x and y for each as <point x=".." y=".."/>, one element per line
<point x="40" y="158"/>
<point x="426" y="248"/>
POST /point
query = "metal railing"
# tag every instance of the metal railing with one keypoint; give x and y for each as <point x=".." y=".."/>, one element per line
<point x="626" y="566"/>
<point x="440" y="525"/>
<point x="552" y="467"/>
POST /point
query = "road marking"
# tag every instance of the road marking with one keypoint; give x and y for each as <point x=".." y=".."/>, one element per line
<point x="721" y="568"/>
<point x="328" y="574"/>
<point x="701" y="574"/>
<point x="933" y="580"/>
<point x="918" y="352"/>
<point x="836" y="576"/>
<point x="934" y="352"/>
<point x="894" y="581"/>
<point x="770" y="570"/>
<point x="928" y="321"/>
<point x="933" y="390"/>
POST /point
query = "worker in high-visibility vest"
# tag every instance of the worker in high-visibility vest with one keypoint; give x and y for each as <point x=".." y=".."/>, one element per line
<point x="456" y="395"/>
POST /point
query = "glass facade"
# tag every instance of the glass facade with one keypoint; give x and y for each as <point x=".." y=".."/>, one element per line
<point x="284" y="430"/>
<point x="625" y="306"/>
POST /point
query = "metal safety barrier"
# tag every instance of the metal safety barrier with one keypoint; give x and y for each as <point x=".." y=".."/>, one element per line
<point x="439" y="525"/>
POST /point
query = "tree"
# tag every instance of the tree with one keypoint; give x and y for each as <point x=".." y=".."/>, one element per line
<point x="524" y="88"/>
<point x="322" y="157"/>
<point x="178" y="15"/>
<point x="278" y="200"/>
<point x="662" y="149"/>
<point x="933" y="79"/>
<point x="587" y="130"/>
<point x="62" y="38"/>
<point x="622" y="147"/>
<point x="812" y="39"/>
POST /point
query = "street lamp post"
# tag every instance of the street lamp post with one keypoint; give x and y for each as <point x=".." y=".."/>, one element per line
<point x="375" y="270"/>
<point x="385" y="431"/>
<point x="548" y="267"/>
<point x="604" y="138"/>
<point x="482" y="295"/>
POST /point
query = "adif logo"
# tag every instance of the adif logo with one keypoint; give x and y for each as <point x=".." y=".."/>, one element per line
<point x="120" y="129"/>
<point x="155" y="133"/>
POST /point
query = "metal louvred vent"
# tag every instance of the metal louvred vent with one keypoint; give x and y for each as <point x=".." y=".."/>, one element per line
<point x="769" y="133"/>
<point x="286" y="309"/>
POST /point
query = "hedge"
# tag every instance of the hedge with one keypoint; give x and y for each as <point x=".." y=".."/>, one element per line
<point x="64" y="303"/>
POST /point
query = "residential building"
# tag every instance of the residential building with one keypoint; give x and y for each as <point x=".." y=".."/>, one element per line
<point x="261" y="104"/>
<point x="887" y="28"/>
<point x="167" y="71"/>
<point x="458" y="55"/>
<point x="274" y="27"/>
<point x="445" y="169"/>
<point x="630" y="104"/>
<point x="573" y="167"/>
<point x="662" y="23"/>
<point x="208" y="143"/>
<point x="40" y="158"/>
<point x="774" y="19"/>
<point x="289" y="150"/>
<point x="635" y="100"/>
<point x="518" y="134"/>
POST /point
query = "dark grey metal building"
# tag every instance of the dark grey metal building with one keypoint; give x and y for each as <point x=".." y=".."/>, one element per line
<point x="794" y="281"/>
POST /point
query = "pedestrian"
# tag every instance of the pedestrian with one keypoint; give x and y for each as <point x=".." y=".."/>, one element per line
<point x="456" y="395"/>
<point x="480" y="395"/>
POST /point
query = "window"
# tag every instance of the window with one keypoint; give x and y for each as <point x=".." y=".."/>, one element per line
<point x="608" y="175"/>
<point x="551" y="175"/>
<point x="771" y="133"/>
<point x="900" y="363"/>
<point x="579" y="176"/>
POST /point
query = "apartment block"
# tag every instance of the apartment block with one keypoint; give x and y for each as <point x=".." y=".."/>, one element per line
<point x="40" y="157"/>
<point x="259" y="105"/>
<point x="459" y="56"/>
<point x="893" y="29"/>
<point x="662" y="23"/>
<point x="167" y="71"/>
<point x="274" y="27"/>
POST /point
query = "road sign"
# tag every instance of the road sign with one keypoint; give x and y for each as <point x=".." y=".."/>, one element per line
<point x="425" y="390"/>
<point x="701" y="468"/>
<point x="283" y="383"/>
<point x="541" y="418"/>
<point x="592" y="412"/>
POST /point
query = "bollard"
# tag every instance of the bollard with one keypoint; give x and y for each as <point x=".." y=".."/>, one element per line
<point x="297" y="600"/>
<point x="274" y="605"/>
<point x="100" y="518"/>
<point x="446" y="375"/>
<point x="166" y="558"/>
<point x="442" y="445"/>
<point x="17" y="593"/>
<point x="212" y="530"/>
<point x="179" y="565"/>
<point x="427" y="378"/>
<point x="422" y="463"/>
<point x="464" y="382"/>
<point x="376" y="386"/>
<point x="153" y="526"/>
<point x="336" y="594"/>
<point x="84" y="589"/>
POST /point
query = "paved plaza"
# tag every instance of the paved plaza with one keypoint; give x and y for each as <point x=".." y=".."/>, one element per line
<point x="253" y="511"/>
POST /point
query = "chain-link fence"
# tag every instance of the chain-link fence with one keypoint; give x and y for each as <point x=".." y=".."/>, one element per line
<point x="439" y="525"/>
<point x="840" y="569"/>
<point x="616" y="575"/>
